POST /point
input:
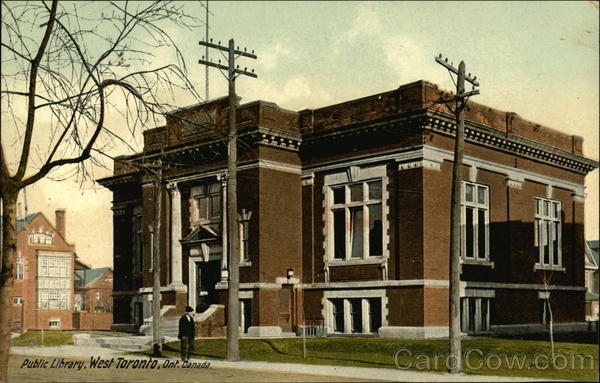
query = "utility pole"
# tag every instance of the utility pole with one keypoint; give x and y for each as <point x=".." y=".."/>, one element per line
<point x="206" y="55"/>
<point x="233" y="306"/>
<point x="460" y="99"/>
<point x="156" y="336"/>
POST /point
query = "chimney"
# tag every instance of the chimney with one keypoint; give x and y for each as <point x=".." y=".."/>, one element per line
<point x="60" y="221"/>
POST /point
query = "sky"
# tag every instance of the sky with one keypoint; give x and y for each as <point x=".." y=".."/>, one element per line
<point x="538" y="59"/>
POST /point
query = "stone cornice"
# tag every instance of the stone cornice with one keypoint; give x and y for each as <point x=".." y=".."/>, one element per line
<point x="252" y="136"/>
<point x="496" y="139"/>
<point x="429" y="119"/>
<point x="113" y="181"/>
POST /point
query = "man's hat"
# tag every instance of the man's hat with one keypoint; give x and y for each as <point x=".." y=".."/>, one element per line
<point x="188" y="309"/>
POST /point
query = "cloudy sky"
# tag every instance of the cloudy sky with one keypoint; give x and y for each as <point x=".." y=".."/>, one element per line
<point x="538" y="59"/>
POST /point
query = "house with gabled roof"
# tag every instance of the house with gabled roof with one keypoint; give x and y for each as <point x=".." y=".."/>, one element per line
<point x="43" y="285"/>
<point x="93" y="289"/>
<point x="93" y="298"/>
<point x="592" y="282"/>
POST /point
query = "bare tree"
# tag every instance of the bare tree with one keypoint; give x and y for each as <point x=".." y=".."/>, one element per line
<point x="546" y="280"/>
<point x="64" y="68"/>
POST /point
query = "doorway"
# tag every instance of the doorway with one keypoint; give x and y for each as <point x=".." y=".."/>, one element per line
<point x="208" y="274"/>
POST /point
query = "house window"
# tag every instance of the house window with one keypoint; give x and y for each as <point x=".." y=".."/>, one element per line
<point x="208" y="201"/>
<point x="138" y="240"/>
<point x="355" y="315"/>
<point x="54" y="323"/>
<point x="547" y="231"/>
<point x="17" y="301"/>
<point x="40" y="238"/>
<point x="20" y="268"/>
<point x="475" y="314"/>
<point x="475" y="220"/>
<point x="356" y="211"/>
<point x="97" y="295"/>
<point x="54" y="281"/>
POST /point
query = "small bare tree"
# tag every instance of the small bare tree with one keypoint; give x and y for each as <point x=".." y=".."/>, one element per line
<point x="546" y="279"/>
<point x="64" y="68"/>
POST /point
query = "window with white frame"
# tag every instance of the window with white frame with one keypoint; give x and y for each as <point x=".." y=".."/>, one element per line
<point x="245" y="241"/>
<point x="475" y="218"/>
<point x="41" y="239"/>
<point x="356" y="211"/>
<point x="17" y="301"/>
<point x="207" y="199"/>
<point x="475" y="314"/>
<point x="547" y="231"/>
<point x="54" y="280"/>
<point x="138" y="240"/>
<point x="20" y="268"/>
<point x="355" y="315"/>
<point x="54" y="323"/>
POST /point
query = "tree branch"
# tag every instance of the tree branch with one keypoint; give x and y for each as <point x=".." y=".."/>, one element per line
<point x="31" y="99"/>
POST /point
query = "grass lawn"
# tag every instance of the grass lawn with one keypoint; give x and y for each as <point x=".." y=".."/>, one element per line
<point x="489" y="356"/>
<point x="54" y="337"/>
<point x="43" y="338"/>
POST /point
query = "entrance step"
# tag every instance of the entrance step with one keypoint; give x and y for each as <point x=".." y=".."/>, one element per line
<point x="129" y="343"/>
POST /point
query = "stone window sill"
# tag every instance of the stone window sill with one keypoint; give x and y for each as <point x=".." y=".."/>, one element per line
<point x="477" y="262"/>
<point x="350" y="262"/>
<point x="538" y="266"/>
<point x="245" y="263"/>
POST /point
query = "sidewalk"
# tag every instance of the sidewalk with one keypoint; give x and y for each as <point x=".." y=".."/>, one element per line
<point x="384" y="374"/>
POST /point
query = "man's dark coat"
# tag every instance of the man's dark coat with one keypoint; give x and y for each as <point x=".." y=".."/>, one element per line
<point x="186" y="327"/>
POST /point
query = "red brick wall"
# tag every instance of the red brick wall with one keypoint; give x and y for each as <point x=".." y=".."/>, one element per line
<point x="410" y="219"/>
<point x="435" y="310"/>
<point x="213" y="326"/>
<point x="405" y="307"/>
<point x="84" y="320"/>
<point x="280" y="224"/>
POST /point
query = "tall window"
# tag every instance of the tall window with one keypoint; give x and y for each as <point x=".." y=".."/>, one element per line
<point x="54" y="281"/>
<point x="475" y="219"/>
<point x="20" y="268"/>
<point x="208" y="201"/>
<point x="138" y="240"/>
<point x="245" y="241"/>
<point x="547" y="231"/>
<point x="357" y="220"/>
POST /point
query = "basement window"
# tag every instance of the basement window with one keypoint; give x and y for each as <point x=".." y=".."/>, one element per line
<point x="54" y="323"/>
<point x="355" y="315"/>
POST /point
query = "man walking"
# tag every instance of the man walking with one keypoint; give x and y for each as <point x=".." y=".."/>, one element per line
<point x="187" y="333"/>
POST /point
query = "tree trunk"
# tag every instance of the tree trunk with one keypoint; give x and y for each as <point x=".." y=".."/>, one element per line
<point x="9" y="251"/>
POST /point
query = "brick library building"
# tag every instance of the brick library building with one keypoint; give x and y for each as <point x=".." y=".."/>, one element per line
<point x="344" y="215"/>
